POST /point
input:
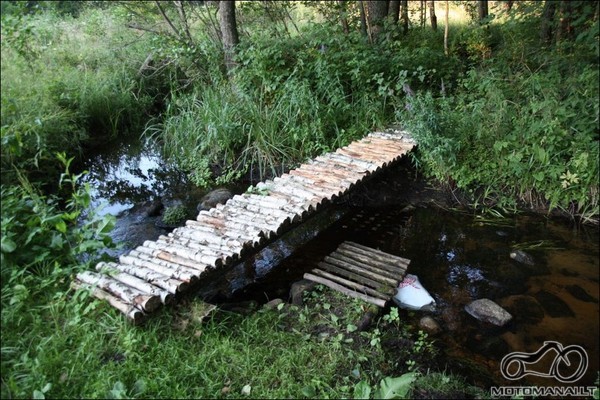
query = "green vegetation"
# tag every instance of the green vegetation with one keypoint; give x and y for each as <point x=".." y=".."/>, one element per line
<point x="516" y="130"/>
<point x="64" y="85"/>
<point x="174" y="215"/>
<point x="508" y="119"/>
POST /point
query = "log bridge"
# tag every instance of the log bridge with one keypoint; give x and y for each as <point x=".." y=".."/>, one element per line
<point x="361" y="272"/>
<point x="153" y="274"/>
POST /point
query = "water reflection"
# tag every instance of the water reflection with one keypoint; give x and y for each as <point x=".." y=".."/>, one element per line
<point x="128" y="173"/>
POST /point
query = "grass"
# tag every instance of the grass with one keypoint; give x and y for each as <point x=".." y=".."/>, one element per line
<point x="66" y="81"/>
<point x="65" y="345"/>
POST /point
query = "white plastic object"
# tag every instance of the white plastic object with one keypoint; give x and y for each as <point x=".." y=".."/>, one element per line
<point x="412" y="295"/>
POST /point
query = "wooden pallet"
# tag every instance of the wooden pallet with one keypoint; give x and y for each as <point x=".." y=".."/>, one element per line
<point x="361" y="272"/>
<point x="150" y="275"/>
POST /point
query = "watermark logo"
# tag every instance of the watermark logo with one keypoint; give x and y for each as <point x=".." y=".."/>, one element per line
<point x="569" y="364"/>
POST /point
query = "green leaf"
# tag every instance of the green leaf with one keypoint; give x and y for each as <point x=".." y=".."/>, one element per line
<point x="395" y="388"/>
<point x="8" y="246"/>
<point x="47" y="387"/>
<point x="362" y="390"/>
<point x="38" y="395"/>
<point x="61" y="226"/>
<point x="351" y="328"/>
<point x="309" y="391"/>
<point x="539" y="176"/>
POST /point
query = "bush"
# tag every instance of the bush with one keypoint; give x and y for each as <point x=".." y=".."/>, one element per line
<point x="174" y="215"/>
<point x="38" y="231"/>
<point x="529" y="136"/>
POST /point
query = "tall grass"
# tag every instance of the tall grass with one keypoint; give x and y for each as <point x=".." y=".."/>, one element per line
<point x="65" y="81"/>
<point x="291" y="100"/>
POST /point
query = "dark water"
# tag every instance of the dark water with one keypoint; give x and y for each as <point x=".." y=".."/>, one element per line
<point x="457" y="256"/>
<point x="460" y="258"/>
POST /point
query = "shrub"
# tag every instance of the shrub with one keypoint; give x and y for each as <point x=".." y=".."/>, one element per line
<point x="174" y="215"/>
<point x="530" y="136"/>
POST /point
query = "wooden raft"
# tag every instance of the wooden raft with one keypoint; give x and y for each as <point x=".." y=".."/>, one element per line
<point x="150" y="275"/>
<point x="361" y="272"/>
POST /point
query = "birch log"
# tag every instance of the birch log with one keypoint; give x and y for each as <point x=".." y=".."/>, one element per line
<point x="134" y="314"/>
<point x="144" y="301"/>
<point x="114" y="271"/>
<point x="145" y="274"/>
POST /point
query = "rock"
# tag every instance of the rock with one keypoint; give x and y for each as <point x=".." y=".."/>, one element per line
<point x="525" y="308"/>
<point x="580" y="294"/>
<point x="429" y="325"/>
<point x="452" y="318"/>
<point x="217" y="196"/>
<point x="271" y="305"/>
<point x="154" y="208"/>
<point x="488" y="311"/>
<point x="298" y="289"/>
<point x="365" y="321"/>
<point x="494" y="347"/>
<point x="553" y="305"/>
<point x="522" y="257"/>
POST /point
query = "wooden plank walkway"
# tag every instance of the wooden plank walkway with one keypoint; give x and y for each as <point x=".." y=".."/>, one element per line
<point x="361" y="272"/>
<point x="152" y="274"/>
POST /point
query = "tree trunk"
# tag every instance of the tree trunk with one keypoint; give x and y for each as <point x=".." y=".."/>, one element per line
<point x="565" y="28"/>
<point x="446" y="28"/>
<point x="422" y="13"/>
<point x="432" y="16"/>
<point x="508" y="5"/>
<point x="363" y="18"/>
<point x="404" y="16"/>
<point x="377" y="11"/>
<point x="482" y="9"/>
<point x="547" y="21"/>
<point x="394" y="11"/>
<point x="229" y="31"/>
<point x="344" y="16"/>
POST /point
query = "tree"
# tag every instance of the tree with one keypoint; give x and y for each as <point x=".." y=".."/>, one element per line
<point x="446" y="28"/>
<point x="344" y="16"/>
<point x="377" y="11"/>
<point x="482" y="9"/>
<point x="547" y="22"/>
<point x="228" y="31"/>
<point x="363" y="18"/>
<point x="404" y="16"/>
<point x="394" y="11"/>
<point x="432" y="16"/>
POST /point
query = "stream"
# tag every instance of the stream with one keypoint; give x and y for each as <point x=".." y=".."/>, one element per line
<point x="459" y="257"/>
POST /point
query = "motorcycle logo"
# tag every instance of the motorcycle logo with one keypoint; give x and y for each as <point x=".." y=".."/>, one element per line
<point x="569" y="364"/>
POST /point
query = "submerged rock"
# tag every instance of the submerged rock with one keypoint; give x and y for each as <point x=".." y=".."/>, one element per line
<point x="488" y="311"/>
<point x="153" y="208"/>
<point x="217" y="196"/>
<point x="553" y="305"/>
<point x="580" y="294"/>
<point x="522" y="257"/>
<point x="525" y="308"/>
<point x="429" y="325"/>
